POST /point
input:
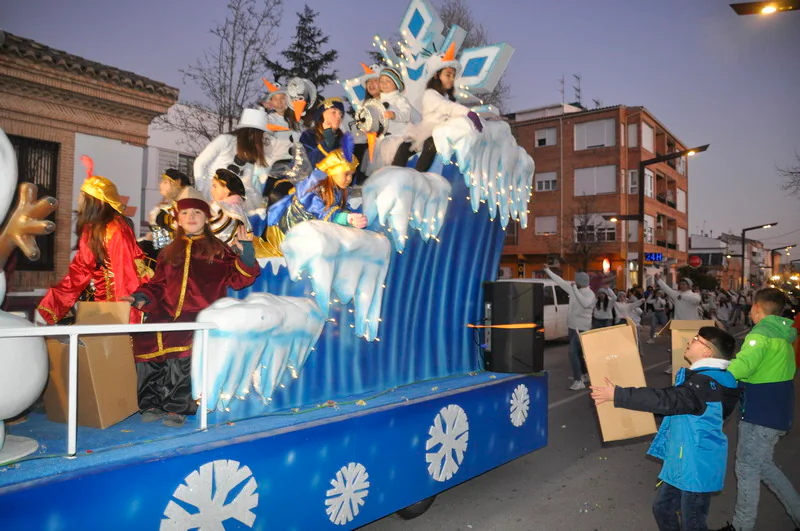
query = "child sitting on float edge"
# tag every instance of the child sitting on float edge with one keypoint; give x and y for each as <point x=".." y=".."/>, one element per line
<point x="690" y="439"/>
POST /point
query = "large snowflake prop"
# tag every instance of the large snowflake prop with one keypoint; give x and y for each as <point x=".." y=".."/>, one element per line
<point x="350" y="487"/>
<point x="448" y="440"/>
<point x="520" y="403"/>
<point x="207" y="491"/>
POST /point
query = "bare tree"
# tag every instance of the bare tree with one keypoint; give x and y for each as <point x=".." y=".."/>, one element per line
<point x="458" y="12"/>
<point x="791" y="175"/>
<point x="582" y="238"/>
<point x="229" y="74"/>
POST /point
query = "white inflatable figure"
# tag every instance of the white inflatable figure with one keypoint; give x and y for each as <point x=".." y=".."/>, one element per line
<point x="257" y="341"/>
<point x="400" y="198"/>
<point x="23" y="361"/>
<point x="352" y="263"/>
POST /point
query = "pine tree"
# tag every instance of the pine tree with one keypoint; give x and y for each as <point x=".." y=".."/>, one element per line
<point x="305" y="56"/>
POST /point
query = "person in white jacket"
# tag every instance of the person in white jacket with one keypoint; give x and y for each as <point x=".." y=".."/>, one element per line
<point x="579" y="319"/>
<point x="626" y="307"/>
<point x="438" y="106"/>
<point x="685" y="301"/>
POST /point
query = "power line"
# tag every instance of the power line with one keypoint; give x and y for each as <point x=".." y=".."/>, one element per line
<point x="779" y="235"/>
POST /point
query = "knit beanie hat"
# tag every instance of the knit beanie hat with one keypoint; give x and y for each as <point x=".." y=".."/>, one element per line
<point x="582" y="279"/>
<point x="687" y="280"/>
<point x="395" y="76"/>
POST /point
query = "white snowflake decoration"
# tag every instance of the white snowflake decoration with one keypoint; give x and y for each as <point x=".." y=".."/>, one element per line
<point x="350" y="487"/>
<point x="450" y="432"/>
<point x="207" y="489"/>
<point x="520" y="403"/>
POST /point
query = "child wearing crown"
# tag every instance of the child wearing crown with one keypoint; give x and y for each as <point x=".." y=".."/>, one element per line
<point x="322" y="195"/>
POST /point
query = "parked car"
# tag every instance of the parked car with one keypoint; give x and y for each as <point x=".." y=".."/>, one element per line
<point x="556" y="306"/>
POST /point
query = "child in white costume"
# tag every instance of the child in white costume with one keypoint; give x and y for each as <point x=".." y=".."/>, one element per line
<point x="227" y="212"/>
<point x="438" y="106"/>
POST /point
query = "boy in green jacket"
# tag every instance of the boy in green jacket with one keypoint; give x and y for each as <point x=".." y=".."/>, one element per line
<point x="765" y="367"/>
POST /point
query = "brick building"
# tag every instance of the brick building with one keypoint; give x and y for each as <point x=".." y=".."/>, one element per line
<point x="54" y="107"/>
<point x="586" y="168"/>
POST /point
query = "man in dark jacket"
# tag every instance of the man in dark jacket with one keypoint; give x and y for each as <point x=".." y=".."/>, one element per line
<point x="690" y="440"/>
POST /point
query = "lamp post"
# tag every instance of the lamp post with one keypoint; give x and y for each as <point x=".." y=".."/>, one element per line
<point x="642" y="165"/>
<point x="776" y="250"/>
<point x="748" y="229"/>
<point x="765" y="8"/>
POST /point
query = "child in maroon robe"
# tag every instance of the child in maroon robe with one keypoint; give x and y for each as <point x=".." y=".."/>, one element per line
<point x="193" y="271"/>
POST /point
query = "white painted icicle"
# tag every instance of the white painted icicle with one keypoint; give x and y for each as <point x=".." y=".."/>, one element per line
<point x="400" y="198"/>
<point x="256" y="342"/>
<point x="496" y="170"/>
<point x="352" y="263"/>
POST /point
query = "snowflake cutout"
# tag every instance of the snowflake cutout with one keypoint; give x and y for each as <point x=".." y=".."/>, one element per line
<point x="520" y="403"/>
<point x="207" y="491"/>
<point x="350" y="487"/>
<point x="450" y="432"/>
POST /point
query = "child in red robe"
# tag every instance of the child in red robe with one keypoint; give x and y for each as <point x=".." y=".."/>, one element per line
<point x="108" y="254"/>
<point x="193" y="271"/>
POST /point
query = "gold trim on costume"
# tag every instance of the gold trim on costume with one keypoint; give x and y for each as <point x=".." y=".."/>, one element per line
<point x="330" y="213"/>
<point x="270" y="246"/>
<point x="185" y="280"/>
<point x="242" y="271"/>
<point x="50" y="312"/>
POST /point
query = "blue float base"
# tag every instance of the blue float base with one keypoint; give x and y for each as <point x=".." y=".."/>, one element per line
<point x="134" y="470"/>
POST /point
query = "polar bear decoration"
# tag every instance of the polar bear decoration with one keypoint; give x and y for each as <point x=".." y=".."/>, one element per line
<point x="23" y="360"/>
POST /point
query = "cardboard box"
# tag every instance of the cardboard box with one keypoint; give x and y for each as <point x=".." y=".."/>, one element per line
<point x="682" y="333"/>
<point x="613" y="353"/>
<point x="106" y="370"/>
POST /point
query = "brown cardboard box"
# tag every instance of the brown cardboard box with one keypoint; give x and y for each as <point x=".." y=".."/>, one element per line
<point x="682" y="333"/>
<point x="106" y="371"/>
<point x="613" y="353"/>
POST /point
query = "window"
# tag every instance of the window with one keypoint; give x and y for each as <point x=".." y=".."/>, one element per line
<point x="648" y="183"/>
<point x="599" y="133"/>
<point x="633" y="230"/>
<point x="546" y="182"/>
<point x="681" y="239"/>
<point x="512" y="233"/>
<point x="173" y="159"/>
<point x="681" y="201"/>
<point x="546" y="137"/>
<point x="562" y="297"/>
<point x="648" y="228"/>
<point x="593" y="228"/>
<point x="545" y="225"/>
<point x="596" y="180"/>
<point x="37" y="163"/>
<point x="633" y="136"/>
<point x="633" y="181"/>
<point x="647" y="138"/>
<point x="548" y="299"/>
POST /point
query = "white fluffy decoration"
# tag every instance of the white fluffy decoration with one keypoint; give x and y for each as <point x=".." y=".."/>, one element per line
<point x="400" y="198"/>
<point x="352" y="263"/>
<point x="256" y="342"/>
<point x="497" y="171"/>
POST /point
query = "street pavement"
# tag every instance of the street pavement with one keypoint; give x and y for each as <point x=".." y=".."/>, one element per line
<point x="579" y="483"/>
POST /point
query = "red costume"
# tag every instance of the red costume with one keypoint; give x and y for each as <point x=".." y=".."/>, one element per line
<point x="121" y="274"/>
<point x="178" y="293"/>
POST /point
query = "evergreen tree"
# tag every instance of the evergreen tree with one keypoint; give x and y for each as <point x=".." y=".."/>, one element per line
<point x="305" y="56"/>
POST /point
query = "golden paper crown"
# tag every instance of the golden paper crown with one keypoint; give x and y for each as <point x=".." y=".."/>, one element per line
<point x="336" y="162"/>
<point x="103" y="190"/>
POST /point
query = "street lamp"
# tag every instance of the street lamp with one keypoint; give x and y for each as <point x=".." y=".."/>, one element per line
<point x="776" y="250"/>
<point x="642" y="165"/>
<point x="765" y="8"/>
<point x="748" y="229"/>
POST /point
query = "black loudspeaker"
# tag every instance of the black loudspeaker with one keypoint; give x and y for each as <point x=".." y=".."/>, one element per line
<point x="518" y="350"/>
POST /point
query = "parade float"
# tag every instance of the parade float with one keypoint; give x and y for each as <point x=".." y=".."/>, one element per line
<point x="345" y="384"/>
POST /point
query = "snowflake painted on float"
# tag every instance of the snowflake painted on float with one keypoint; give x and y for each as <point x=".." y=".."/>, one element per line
<point x="450" y="432"/>
<point x="350" y="487"/>
<point x="520" y="403"/>
<point x="206" y="493"/>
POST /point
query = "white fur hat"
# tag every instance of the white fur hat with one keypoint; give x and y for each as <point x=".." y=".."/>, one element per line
<point x="255" y="118"/>
<point x="439" y="61"/>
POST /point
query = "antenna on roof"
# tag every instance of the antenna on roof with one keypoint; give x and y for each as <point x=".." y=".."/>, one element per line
<point x="597" y="103"/>
<point x="561" y="82"/>
<point x="577" y="89"/>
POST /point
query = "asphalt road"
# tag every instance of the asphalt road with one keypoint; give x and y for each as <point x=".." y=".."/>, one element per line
<point x="577" y="482"/>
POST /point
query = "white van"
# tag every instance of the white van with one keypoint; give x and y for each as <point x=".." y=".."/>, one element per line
<point x="556" y="307"/>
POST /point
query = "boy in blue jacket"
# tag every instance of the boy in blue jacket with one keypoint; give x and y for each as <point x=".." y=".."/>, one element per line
<point x="690" y="440"/>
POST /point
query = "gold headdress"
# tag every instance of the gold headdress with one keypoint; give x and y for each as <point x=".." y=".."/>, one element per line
<point x="100" y="188"/>
<point x="341" y="159"/>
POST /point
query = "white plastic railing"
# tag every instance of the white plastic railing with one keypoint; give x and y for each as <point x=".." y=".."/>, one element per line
<point x="92" y="330"/>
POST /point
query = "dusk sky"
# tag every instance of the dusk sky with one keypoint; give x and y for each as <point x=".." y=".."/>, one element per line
<point x="707" y="74"/>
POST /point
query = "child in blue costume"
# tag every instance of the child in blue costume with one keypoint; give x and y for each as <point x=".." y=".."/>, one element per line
<point x="326" y="135"/>
<point x="322" y="195"/>
<point x="690" y="440"/>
